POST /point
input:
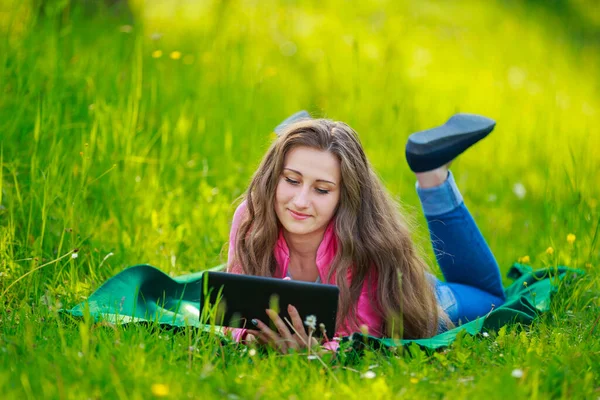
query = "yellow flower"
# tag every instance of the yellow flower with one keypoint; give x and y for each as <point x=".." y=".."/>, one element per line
<point x="550" y="250"/>
<point x="524" y="260"/>
<point x="588" y="265"/>
<point x="270" y="71"/>
<point x="175" y="55"/>
<point x="157" y="54"/>
<point x="414" y="380"/>
<point x="571" y="238"/>
<point x="160" y="389"/>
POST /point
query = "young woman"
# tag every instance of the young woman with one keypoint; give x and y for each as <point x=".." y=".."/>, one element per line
<point x="316" y="211"/>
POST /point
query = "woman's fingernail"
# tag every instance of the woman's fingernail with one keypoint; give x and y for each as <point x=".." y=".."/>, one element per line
<point x="254" y="322"/>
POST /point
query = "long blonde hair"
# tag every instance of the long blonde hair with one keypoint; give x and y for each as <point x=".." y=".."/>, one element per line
<point x="374" y="243"/>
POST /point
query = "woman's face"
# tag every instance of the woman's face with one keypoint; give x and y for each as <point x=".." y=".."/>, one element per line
<point x="308" y="190"/>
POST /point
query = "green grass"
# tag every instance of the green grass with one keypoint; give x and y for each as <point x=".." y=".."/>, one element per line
<point x="135" y="159"/>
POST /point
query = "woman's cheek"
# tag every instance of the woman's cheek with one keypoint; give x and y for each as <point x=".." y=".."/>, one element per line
<point x="330" y="203"/>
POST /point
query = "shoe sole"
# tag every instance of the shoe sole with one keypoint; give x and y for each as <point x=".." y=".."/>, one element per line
<point x="432" y="148"/>
<point x="298" y="116"/>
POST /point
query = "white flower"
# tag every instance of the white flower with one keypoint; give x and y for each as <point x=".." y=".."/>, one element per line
<point x="252" y="352"/>
<point x="517" y="373"/>
<point x="311" y="321"/>
<point x="312" y="357"/>
<point x="485" y="334"/>
<point x="368" y="375"/>
<point x="519" y="190"/>
<point x="74" y="255"/>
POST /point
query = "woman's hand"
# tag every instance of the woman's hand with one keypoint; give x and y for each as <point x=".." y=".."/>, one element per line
<point x="284" y="339"/>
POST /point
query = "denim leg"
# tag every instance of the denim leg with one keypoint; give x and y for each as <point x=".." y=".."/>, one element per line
<point x="462" y="253"/>
<point x="471" y="302"/>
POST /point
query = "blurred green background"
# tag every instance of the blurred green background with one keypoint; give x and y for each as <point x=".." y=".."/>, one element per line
<point x="130" y="129"/>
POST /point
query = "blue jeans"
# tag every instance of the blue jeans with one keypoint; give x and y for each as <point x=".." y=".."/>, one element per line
<point x="472" y="284"/>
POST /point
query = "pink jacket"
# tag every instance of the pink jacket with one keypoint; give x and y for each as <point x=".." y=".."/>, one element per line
<point x="366" y="313"/>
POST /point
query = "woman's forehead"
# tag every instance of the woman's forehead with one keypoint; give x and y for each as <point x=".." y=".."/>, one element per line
<point x="313" y="164"/>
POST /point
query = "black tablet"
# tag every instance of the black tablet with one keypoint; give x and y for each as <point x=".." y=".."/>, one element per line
<point x="234" y="300"/>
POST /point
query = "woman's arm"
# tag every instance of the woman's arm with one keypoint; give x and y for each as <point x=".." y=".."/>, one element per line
<point x="232" y="266"/>
<point x="239" y="335"/>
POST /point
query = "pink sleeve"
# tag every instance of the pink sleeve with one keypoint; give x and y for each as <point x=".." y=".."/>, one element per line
<point x="232" y="265"/>
<point x="238" y="334"/>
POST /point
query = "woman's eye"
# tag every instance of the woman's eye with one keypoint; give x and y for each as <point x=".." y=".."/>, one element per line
<point x="294" y="182"/>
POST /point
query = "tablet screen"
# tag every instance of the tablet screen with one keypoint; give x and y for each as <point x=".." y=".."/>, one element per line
<point x="234" y="300"/>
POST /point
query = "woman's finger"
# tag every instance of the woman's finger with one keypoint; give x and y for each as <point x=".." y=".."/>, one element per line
<point x="283" y="329"/>
<point x="269" y="336"/>
<point x="264" y="339"/>
<point x="253" y="332"/>
<point x="297" y="323"/>
<point x="261" y="337"/>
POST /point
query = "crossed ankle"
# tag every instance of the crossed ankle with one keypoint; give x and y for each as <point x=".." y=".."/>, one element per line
<point x="433" y="178"/>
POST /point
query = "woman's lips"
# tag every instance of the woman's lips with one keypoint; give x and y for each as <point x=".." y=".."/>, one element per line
<point x="298" y="216"/>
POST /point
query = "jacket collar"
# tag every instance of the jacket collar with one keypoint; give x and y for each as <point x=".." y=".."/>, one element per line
<point x="325" y="252"/>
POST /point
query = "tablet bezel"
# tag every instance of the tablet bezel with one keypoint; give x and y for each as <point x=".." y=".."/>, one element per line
<point x="247" y="297"/>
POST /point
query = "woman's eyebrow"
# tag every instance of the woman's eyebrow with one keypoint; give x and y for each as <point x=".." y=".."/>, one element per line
<point x="318" y="180"/>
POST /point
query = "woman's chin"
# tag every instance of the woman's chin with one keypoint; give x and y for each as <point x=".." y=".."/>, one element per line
<point x="298" y="227"/>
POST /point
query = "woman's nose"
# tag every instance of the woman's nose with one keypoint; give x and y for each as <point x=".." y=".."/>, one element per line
<point x="301" y="200"/>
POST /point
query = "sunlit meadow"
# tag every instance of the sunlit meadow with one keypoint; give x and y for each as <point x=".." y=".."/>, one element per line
<point x="127" y="135"/>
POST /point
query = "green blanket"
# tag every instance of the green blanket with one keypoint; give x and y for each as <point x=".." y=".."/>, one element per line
<point x="143" y="293"/>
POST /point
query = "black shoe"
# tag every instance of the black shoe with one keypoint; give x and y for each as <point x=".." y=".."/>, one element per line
<point x="300" y="115"/>
<point x="432" y="148"/>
